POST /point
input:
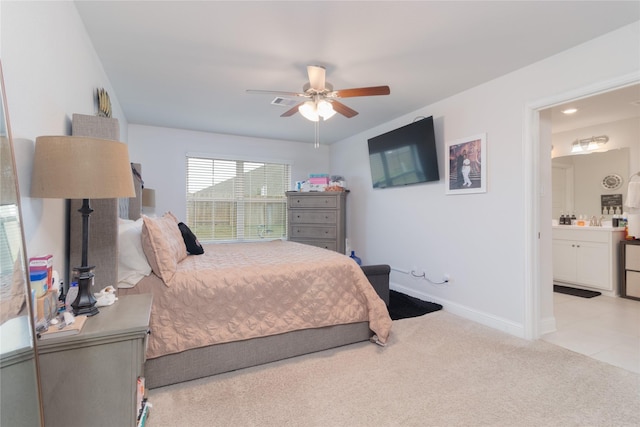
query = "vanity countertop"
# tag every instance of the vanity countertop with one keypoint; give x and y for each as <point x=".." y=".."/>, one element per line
<point x="587" y="228"/>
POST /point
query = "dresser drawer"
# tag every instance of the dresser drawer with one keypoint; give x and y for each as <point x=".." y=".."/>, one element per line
<point x="313" y="202"/>
<point x="632" y="257"/>
<point x="312" y="232"/>
<point x="633" y="284"/>
<point x="314" y="217"/>
<point x="326" y="244"/>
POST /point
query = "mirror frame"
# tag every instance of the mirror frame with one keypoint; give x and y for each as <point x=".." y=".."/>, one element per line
<point x="17" y="403"/>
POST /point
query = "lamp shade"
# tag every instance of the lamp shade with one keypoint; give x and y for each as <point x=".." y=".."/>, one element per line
<point x="74" y="167"/>
<point x="149" y="197"/>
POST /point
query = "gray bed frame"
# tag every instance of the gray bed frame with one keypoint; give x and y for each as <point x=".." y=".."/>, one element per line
<point x="219" y="358"/>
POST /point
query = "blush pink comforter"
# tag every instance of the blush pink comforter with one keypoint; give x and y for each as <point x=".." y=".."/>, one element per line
<point x="238" y="291"/>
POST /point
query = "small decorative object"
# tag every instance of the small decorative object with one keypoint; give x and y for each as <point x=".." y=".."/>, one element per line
<point x="612" y="181"/>
<point x="104" y="103"/>
<point x="465" y="165"/>
<point x="356" y="258"/>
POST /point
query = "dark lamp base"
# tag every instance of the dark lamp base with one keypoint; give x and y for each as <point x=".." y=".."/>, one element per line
<point x="85" y="302"/>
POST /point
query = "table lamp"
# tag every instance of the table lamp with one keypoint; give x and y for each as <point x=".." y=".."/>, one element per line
<point x="148" y="200"/>
<point x="74" y="167"/>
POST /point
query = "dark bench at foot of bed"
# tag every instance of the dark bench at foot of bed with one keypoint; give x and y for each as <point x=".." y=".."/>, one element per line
<point x="378" y="276"/>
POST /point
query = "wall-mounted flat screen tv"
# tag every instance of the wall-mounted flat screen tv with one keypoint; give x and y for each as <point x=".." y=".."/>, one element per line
<point x="404" y="156"/>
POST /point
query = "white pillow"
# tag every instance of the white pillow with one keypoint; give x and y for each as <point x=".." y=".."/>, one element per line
<point x="132" y="262"/>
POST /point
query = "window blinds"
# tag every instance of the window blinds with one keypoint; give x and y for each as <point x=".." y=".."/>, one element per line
<point x="236" y="200"/>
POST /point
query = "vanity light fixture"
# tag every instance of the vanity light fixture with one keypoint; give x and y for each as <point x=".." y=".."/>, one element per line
<point x="569" y="111"/>
<point x="588" y="144"/>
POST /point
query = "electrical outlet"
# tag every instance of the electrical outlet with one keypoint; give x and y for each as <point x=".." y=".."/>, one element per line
<point x="446" y="278"/>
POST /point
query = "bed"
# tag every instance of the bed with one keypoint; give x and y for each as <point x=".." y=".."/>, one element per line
<point x="242" y="304"/>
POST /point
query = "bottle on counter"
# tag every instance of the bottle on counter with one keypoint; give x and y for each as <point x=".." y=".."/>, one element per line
<point x="356" y="258"/>
<point x="61" y="298"/>
<point x="72" y="293"/>
<point x="573" y="219"/>
<point x="562" y="220"/>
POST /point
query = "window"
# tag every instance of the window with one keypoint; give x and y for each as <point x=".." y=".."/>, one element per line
<point x="232" y="200"/>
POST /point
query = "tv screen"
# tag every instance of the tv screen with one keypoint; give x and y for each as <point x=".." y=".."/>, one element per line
<point x="404" y="156"/>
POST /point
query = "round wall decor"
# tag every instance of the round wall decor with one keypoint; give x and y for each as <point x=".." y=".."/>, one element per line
<point x="612" y="181"/>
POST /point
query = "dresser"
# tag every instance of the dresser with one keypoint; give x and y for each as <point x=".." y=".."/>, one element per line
<point x="630" y="269"/>
<point x="90" y="379"/>
<point x="318" y="218"/>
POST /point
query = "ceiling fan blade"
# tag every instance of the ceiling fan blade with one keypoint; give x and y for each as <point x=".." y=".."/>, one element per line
<point x="275" y="92"/>
<point x="290" y="112"/>
<point x="317" y="76"/>
<point x="343" y="109"/>
<point x="363" y="91"/>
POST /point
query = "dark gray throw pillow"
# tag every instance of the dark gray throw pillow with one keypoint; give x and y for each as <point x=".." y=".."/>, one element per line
<point x="190" y="240"/>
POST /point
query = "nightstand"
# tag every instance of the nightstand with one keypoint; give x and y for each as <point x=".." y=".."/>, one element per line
<point x="90" y="379"/>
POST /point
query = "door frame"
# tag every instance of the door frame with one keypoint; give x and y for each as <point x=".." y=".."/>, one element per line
<point x="537" y="223"/>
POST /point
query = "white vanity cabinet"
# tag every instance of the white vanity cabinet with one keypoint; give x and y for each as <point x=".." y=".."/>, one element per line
<point x="587" y="257"/>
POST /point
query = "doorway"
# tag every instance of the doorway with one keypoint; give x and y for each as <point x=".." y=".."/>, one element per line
<point x="539" y="298"/>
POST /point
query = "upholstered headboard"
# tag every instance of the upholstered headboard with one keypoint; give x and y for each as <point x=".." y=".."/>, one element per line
<point x="103" y="232"/>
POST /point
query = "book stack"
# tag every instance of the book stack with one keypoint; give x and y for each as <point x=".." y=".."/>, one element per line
<point x="64" y="329"/>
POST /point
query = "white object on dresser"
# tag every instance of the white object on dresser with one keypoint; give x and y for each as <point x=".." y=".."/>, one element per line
<point x="90" y="379"/>
<point x="318" y="218"/>
<point x="587" y="257"/>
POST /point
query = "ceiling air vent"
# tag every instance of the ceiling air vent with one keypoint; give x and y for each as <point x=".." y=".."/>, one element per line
<point x="284" y="102"/>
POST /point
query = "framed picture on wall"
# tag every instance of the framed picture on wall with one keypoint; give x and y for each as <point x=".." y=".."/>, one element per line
<point x="465" y="166"/>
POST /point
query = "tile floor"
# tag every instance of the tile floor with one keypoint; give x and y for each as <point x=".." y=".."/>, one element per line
<point x="604" y="328"/>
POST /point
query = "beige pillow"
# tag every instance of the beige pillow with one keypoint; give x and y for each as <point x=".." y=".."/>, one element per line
<point x="163" y="245"/>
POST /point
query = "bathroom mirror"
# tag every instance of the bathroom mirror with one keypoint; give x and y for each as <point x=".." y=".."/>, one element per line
<point x="20" y="403"/>
<point x="579" y="181"/>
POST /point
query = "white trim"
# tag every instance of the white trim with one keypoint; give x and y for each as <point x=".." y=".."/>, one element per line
<point x="547" y="325"/>
<point x="533" y="324"/>
<point x="486" y="319"/>
<point x="531" y="168"/>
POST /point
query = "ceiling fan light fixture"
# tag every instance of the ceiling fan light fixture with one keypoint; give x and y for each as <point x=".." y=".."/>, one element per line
<point x="325" y="109"/>
<point x="308" y="111"/>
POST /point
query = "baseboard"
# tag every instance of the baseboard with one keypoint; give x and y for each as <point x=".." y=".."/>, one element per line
<point x="486" y="319"/>
<point x="547" y="325"/>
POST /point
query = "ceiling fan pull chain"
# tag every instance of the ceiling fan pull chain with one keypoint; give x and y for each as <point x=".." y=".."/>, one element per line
<point x="316" y="143"/>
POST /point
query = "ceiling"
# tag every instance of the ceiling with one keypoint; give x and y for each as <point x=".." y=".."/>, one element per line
<point x="606" y="107"/>
<point x="188" y="64"/>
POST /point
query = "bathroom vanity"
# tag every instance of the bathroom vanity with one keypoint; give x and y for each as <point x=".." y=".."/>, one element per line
<point x="587" y="257"/>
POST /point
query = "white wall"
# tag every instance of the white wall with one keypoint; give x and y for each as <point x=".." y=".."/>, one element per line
<point x="481" y="240"/>
<point x="51" y="71"/>
<point x="162" y="151"/>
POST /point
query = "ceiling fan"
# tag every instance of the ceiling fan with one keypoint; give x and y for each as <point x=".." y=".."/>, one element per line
<point x="321" y="100"/>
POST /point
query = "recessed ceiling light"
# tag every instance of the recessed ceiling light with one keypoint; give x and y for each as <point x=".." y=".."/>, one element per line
<point x="569" y="111"/>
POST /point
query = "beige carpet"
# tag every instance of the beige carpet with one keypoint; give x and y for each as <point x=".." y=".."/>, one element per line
<point x="437" y="370"/>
